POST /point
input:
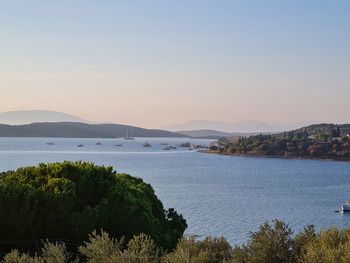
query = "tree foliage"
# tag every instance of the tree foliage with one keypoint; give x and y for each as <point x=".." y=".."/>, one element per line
<point x="69" y="200"/>
<point x="272" y="243"/>
<point x="316" y="141"/>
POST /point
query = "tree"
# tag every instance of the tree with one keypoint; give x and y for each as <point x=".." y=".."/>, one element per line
<point x="69" y="200"/>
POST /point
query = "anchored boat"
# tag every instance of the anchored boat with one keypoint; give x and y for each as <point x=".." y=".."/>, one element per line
<point x="129" y="137"/>
<point x="346" y="206"/>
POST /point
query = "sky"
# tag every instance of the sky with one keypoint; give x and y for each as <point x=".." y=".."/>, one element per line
<point x="156" y="63"/>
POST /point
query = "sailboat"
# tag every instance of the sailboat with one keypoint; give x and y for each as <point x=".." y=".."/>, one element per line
<point x="127" y="135"/>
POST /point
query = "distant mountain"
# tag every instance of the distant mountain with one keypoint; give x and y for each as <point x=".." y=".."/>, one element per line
<point x="241" y="127"/>
<point x="80" y="130"/>
<point x="211" y="134"/>
<point x="32" y="116"/>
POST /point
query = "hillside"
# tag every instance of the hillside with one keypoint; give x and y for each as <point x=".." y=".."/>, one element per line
<point x="79" y="130"/>
<point x="323" y="141"/>
<point x="323" y="128"/>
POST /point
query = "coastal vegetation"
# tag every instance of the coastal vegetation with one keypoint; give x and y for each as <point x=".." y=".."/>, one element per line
<point x="81" y="212"/>
<point x="327" y="141"/>
<point x="274" y="242"/>
<point x="68" y="200"/>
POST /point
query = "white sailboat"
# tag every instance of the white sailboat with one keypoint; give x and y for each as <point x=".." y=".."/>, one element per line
<point x="127" y="135"/>
<point x="346" y="206"/>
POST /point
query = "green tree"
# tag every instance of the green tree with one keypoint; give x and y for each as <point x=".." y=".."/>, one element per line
<point x="69" y="200"/>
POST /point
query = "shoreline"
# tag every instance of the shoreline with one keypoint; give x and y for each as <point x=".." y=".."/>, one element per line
<point x="277" y="156"/>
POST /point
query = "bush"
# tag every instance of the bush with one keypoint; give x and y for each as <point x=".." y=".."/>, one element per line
<point x="102" y="248"/>
<point x="300" y="241"/>
<point x="69" y="200"/>
<point x="51" y="253"/>
<point x="210" y="250"/>
<point x="270" y="244"/>
<point x="331" y="245"/>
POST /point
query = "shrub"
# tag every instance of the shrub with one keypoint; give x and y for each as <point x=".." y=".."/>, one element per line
<point x="51" y="253"/>
<point x="210" y="250"/>
<point x="102" y="248"/>
<point x="270" y="244"/>
<point x="331" y="245"/>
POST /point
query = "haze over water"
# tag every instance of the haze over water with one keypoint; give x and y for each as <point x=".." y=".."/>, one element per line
<point x="158" y="63"/>
<point x="218" y="195"/>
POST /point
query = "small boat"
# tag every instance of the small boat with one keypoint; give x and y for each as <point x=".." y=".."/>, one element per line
<point x="185" y="144"/>
<point x="119" y="145"/>
<point x="146" y="144"/>
<point x="50" y="143"/>
<point x="80" y="145"/>
<point x="98" y="143"/>
<point x="166" y="148"/>
<point x="346" y="206"/>
<point x="172" y="147"/>
<point x="129" y="137"/>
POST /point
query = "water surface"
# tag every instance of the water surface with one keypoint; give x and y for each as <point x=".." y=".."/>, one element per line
<point x="218" y="195"/>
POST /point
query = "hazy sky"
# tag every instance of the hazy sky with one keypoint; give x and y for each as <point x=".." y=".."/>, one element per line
<point x="154" y="63"/>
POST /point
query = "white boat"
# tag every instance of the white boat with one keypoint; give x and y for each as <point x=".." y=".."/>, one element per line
<point x="129" y="137"/>
<point x="346" y="206"/>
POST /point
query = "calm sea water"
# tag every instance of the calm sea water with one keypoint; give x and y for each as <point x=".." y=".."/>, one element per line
<point x="218" y="195"/>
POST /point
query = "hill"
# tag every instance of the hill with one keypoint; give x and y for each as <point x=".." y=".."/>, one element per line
<point x="323" y="141"/>
<point x="32" y="116"/>
<point x="79" y="130"/>
<point x="240" y="127"/>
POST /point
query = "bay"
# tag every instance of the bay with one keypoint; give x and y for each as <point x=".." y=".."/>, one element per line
<point x="218" y="195"/>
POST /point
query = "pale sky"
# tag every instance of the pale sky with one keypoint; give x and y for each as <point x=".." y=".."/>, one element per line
<point x="156" y="63"/>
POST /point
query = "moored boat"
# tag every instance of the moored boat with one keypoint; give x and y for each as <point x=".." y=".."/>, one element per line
<point x="129" y="136"/>
<point x="346" y="206"/>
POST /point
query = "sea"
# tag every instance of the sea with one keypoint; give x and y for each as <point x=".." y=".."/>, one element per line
<point x="218" y="195"/>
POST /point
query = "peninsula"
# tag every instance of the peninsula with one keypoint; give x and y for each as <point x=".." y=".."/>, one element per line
<point x="318" y="141"/>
